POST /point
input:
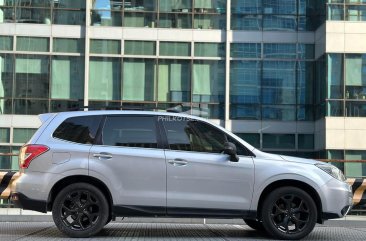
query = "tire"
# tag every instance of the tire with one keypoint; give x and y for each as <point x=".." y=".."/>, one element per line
<point x="80" y="210"/>
<point x="255" y="224"/>
<point x="289" y="213"/>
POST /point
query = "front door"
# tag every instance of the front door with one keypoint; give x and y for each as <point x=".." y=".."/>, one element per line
<point x="201" y="180"/>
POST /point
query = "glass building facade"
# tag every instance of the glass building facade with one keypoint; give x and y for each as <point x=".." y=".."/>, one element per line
<point x="261" y="68"/>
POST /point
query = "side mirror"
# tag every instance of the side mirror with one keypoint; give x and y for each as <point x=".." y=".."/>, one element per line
<point x="230" y="149"/>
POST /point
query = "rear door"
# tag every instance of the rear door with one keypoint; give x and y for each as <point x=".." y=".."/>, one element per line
<point x="131" y="162"/>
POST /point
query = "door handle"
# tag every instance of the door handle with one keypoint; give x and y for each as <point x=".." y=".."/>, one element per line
<point x="103" y="155"/>
<point x="178" y="162"/>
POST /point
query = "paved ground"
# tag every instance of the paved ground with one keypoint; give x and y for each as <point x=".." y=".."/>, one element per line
<point x="42" y="231"/>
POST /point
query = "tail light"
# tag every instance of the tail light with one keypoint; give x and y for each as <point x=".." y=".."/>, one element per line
<point x="29" y="152"/>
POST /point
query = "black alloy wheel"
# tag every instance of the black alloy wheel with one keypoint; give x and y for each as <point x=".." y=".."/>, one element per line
<point x="80" y="210"/>
<point x="289" y="213"/>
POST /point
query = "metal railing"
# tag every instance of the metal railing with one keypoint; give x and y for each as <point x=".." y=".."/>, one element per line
<point x="360" y="189"/>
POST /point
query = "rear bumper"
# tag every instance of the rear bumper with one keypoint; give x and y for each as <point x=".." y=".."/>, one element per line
<point x="21" y="201"/>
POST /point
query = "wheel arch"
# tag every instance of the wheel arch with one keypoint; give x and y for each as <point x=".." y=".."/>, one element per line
<point x="292" y="183"/>
<point x="77" y="179"/>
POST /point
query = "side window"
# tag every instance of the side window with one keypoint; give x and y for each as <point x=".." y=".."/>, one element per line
<point x="130" y="131"/>
<point x="241" y="150"/>
<point x="82" y="129"/>
<point x="194" y="136"/>
<point x="187" y="135"/>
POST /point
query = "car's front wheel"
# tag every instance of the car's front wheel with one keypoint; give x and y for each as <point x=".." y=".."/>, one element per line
<point x="289" y="213"/>
<point x="80" y="210"/>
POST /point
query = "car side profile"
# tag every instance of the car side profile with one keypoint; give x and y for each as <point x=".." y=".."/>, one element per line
<point x="92" y="166"/>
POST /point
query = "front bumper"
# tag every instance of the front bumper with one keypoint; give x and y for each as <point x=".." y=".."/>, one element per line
<point x="21" y="201"/>
<point x="337" y="199"/>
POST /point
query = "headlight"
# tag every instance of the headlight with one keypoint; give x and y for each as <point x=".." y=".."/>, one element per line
<point x="332" y="170"/>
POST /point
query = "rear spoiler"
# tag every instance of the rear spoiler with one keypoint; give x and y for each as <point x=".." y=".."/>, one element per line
<point x="45" y="117"/>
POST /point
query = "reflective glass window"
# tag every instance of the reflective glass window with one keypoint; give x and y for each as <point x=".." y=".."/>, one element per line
<point x="355" y="65"/>
<point x="140" y="47"/>
<point x="4" y="135"/>
<point x="33" y="15"/>
<point x="279" y="51"/>
<point x="245" y="111"/>
<point x="175" y="20"/>
<point x="139" y="78"/>
<point x="209" y="21"/>
<point x="139" y="19"/>
<point x="6" y="75"/>
<point x="67" y="79"/>
<point x="253" y="139"/>
<point x="245" y="82"/>
<point x="67" y="105"/>
<point x="6" y="43"/>
<point x="246" y="6"/>
<point x="305" y="78"/>
<point x="7" y="14"/>
<point x="32" y="44"/>
<point x="279" y="112"/>
<point x="246" y="22"/>
<point x="209" y="49"/>
<point x="335" y="108"/>
<point x="335" y="12"/>
<point x="74" y="4"/>
<point x="140" y="5"/>
<point x="103" y="46"/>
<point x="175" y="49"/>
<point x="6" y="106"/>
<point x="306" y="141"/>
<point x="67" y="45"/>
<point x="355" y="109"/>
<point x="306" y="51"/>
<point x="279" y="141"/>
<point x="308" y="23"/>
<point x="280" y="7"/>
<point x="280" y="23"/>
<point x="174" y="80"/>
<point x="106" y="18"/>
<point x="208" y="81"/>
<point x="335" y="76"/>
<point x="32" y="76"/>
<point x="356" y="12"/>
<point x="22" y="135"/>
<point x="246" y="50"/>
<point x="105" y="79"/>
<point x="68" y="17"/>
<point x="279" y="82"/>
<point x="30" y="106"/>
<point x="306" y="113"/>
<point x="355" y="169"/>
<point x="175" y="6"/>
<point x="5" y="161"/>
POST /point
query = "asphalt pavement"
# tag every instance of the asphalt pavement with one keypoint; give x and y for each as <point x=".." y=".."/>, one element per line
<point x="42" y="231"/>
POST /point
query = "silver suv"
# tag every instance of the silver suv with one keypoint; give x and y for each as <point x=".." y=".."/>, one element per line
<point x="90" y="167"/>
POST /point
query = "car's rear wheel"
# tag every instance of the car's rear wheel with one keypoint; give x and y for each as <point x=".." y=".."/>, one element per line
<point x="80" y="210"/>
<point x="289" y="213"/>
<point x="254" y="224"/>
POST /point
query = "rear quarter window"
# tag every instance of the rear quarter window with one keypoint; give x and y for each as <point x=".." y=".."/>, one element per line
<point x="81" y="129"/>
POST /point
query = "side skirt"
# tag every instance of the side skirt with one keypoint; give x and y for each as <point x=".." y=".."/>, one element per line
<point x="147" y="211"/>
